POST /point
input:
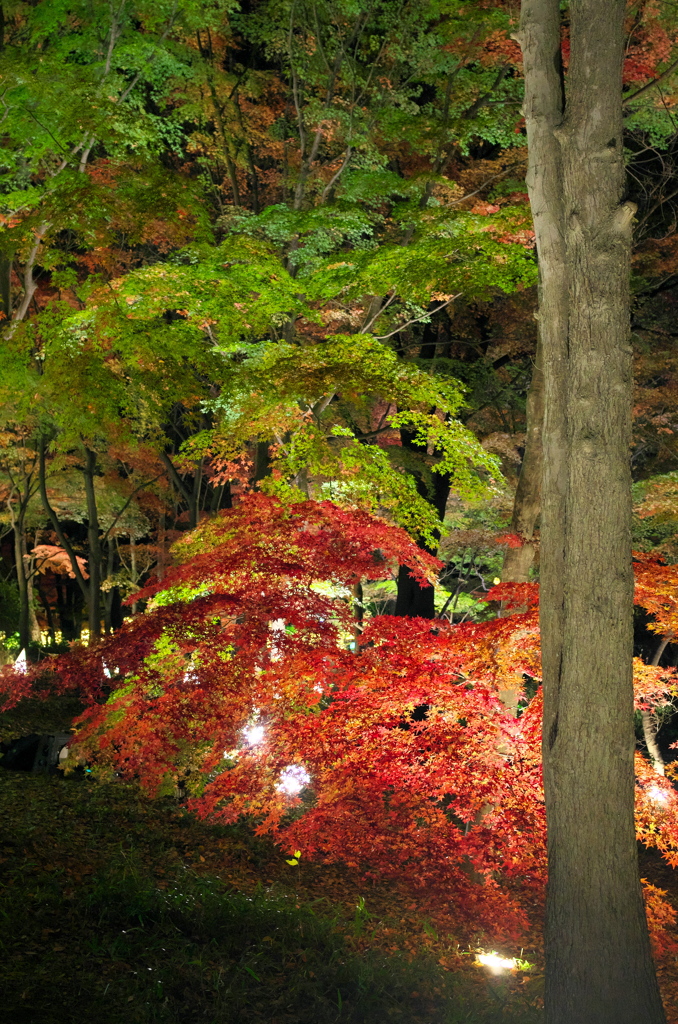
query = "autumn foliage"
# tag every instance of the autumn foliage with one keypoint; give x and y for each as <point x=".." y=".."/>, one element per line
<point x="390" y="748"/>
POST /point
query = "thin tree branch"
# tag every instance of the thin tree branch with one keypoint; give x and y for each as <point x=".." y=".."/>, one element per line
<point x="365" y="328"/>
<point x="650" y="85"/>
<point x="485" y="98"/>
<point x="416" y="319"/>
<point x="127" y="503"/>
<point x="152" y="56"/>
<point x="175" y="478"/>
<point x="335" y="177"/>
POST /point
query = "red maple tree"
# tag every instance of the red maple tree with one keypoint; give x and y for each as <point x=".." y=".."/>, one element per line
<point x="387" y="747"/>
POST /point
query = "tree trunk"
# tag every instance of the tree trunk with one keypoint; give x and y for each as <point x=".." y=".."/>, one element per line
<point x="598" y="963"/>
<point x="22" y="583"/>
<point x="94" y="545"/>
<point x="110" y="592"/>
<point x="412" y="599"/>
<point x="33" y="625"/>
<point x="6" y="285"/>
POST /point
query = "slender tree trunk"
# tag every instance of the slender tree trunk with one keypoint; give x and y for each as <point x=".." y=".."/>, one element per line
<point x="110" y="593"/>
<point x="22" y="583"/>
<point x="598" y="963"/>
<point x="34" y="631"/>
<point x="161" y="547"/>
<point x="133" y="562"/>
<point x="412" y="599"/>
<point x="649" y="718"/>
<point x="54" y="520"/>
<point x="94" y="545"/>
<point x="48" y="612"/>
<point x="6" y="285"/>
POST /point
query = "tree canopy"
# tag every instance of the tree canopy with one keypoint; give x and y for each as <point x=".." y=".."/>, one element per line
<point x="269" y="379"/>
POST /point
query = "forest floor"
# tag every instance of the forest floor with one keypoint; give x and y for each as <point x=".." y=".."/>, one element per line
<point x="117" y="909"/>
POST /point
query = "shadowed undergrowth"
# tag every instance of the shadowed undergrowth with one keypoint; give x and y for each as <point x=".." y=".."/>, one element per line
<point x="108" y="916"/>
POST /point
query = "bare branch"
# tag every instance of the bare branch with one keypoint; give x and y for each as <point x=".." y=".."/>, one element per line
<point x="416" y="319"/>
<point x="365" y="328"/>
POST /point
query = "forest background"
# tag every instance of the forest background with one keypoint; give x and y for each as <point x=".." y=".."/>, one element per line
<point x="260" y="255"/>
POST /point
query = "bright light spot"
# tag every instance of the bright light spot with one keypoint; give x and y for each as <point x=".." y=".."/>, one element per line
<point x="293" y="779"/>
<point x="657" y="795"/>
<point x="497" y="964"/>
<point x="254" y="734"/>
<point x="190" y="675"/>
<point x="20" y="665"/>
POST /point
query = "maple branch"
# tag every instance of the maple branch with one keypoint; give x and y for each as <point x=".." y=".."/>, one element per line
<point x="29" y="282"/>
<point x="650" y="85"/>
<point x="335" y="177"/>
<point x="488" y="181"/>
<point x="484" y="99"/>
<point x="416" y="319"/>
<point x="664" y="643"/>
<point x="175" y="478"/>
<point x="129" y="499"/>
<point x="295" y="89"/>
<point x="114" y="35"/>
<point x="320" y="406"/>
<point x="152" y="56"/>
<point x="85" y="154"/>
<point x="365" y="327"/>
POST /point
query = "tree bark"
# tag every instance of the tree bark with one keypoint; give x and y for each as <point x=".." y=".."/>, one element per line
<point x="6" y="285"/>
<point x="598" y="963"/>
<point x="527" y="501"/>
<point x="94" y="545"/>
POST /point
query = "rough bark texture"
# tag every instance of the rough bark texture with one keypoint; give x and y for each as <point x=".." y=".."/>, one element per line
<point x="598" y="964"/>
<point x="527" y="501"/>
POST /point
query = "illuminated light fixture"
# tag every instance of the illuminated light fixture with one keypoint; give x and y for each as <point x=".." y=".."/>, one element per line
<point x="254" y="734"/>
<point x="657" y="795"/>
<point x="497" y="964"/>
<point x="21" y="664"/>
<point x="293" y="779"/>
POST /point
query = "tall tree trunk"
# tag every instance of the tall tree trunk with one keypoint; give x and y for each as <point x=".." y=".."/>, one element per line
<point x="54" y="520"/>
<point x="94" y="545"/>
<point x="412" y="599"/>
<point x="6" y="285"/>
<point x="22" y="583"/>
<point x="111" y="592"/>
<point x="598" y="963"/>
<point x="34" y="630"/>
